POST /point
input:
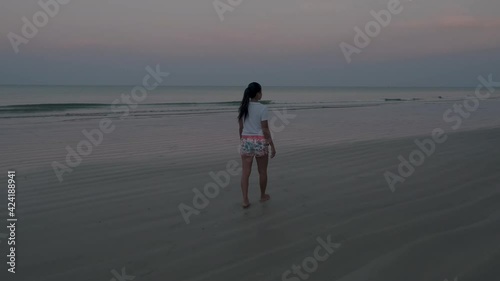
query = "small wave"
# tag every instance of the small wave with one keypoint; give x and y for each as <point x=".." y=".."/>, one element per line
<point x="399" y="99"/>
<point x="207" y="103"/>
<point x="26" y="108"/>
<point x="48" y="107"/>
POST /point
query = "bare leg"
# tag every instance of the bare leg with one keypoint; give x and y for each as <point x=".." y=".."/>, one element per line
<point x="245" y="175"/>
<point x="262" y="167"/>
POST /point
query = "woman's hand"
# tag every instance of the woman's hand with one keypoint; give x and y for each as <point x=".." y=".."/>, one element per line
<point x="273" y="151"/>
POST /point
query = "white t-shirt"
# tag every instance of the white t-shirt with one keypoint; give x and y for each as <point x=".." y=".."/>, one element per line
<point x="257" y="112"/>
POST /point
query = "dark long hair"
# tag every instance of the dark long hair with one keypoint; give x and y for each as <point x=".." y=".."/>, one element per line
<point x="250" y="92"/>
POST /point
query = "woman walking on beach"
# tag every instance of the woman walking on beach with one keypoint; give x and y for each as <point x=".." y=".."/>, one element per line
<point x="255" y="138"/>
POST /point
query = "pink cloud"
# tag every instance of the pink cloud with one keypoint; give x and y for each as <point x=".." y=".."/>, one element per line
<point x="447" y="22"/>
<point x="444" y="35"/>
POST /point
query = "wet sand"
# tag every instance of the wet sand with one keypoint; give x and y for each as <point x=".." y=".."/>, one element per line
<point x="122" y="212"/>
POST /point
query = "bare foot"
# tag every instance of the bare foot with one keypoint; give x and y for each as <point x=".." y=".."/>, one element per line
<point x="245" y="204"/>
<point x="265" y="198"/>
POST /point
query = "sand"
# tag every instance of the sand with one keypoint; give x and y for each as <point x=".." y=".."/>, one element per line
<point x="119" y="211"/>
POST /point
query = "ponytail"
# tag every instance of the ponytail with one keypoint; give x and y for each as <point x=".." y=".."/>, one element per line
<point x="250" y="92"/>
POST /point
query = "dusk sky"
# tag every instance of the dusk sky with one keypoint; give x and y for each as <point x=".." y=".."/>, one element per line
<point x="278" y="42"/>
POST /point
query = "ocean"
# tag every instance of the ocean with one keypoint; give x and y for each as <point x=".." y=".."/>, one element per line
<point x="38" y="123"/>
<point x="76" y="102"/>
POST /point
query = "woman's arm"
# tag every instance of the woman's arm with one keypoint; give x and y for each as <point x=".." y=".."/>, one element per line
<point x="267" y="135"/>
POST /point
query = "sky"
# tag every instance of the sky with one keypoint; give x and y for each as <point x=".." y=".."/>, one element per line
<point x="434" y="43"/>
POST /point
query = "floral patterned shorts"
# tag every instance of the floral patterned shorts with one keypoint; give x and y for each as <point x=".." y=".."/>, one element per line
<point x="254" y="146"/>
